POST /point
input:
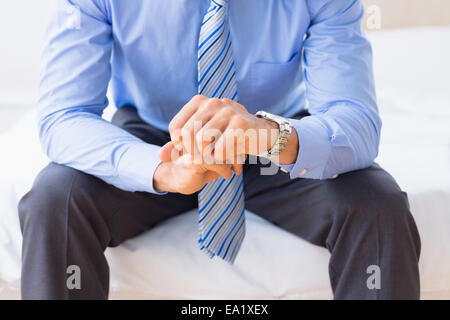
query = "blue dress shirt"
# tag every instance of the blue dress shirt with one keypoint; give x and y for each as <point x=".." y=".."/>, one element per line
<point x="289" y="55"/>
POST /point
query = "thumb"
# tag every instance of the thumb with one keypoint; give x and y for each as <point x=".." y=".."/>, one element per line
<point x="223" y="170"/>
<point x="168" y="153"/>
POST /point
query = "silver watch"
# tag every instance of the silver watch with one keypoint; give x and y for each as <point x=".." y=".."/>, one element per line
<point x="283" y="136"/>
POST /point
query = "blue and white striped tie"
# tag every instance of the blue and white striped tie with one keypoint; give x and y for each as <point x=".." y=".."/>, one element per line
<point x="221" y="202"/>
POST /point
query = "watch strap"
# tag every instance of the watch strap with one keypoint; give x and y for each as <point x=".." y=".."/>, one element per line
<point x="283" y="137"/>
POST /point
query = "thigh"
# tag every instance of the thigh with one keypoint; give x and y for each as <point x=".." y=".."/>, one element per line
<point x="313" y="209"/>
<point x="132" y="213"/>
<point x="101" y="205"/>
<point x="84" y="201"/>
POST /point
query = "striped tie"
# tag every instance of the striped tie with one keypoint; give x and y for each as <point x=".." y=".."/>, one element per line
<point x="221" y="202"/>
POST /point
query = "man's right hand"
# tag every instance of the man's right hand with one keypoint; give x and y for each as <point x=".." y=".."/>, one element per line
<point x="182" y="175"/>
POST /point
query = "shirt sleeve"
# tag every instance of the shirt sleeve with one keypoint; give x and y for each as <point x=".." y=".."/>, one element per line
<point x="342" y="134"/>
<point x="72" y="96"/>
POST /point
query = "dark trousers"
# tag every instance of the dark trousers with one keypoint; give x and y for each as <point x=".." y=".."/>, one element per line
<point x="362" y="218"/>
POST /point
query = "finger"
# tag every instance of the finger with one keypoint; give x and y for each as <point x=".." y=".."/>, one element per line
<point x="207" y="155"/>
<point x="228" y="149"/>
<point x="187" y="140"/>
<point x="223" y="170"/>
<point x="210" y="176"/>
<point x="238" y="168"/>
<point x="234" y="103"/>
<point x="183" y="116"/>
<point x="210" y="133"/>
<point x="192" y="127"/>
<point x="219" y="150"/>
<point x="187" y="161"/>
<point x="168" y="153"/>
<point x="178" y="144"/>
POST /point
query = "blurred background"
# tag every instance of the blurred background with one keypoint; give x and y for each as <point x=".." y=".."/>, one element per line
<point x="22" y="24"/>
<point x="411" y="45"/>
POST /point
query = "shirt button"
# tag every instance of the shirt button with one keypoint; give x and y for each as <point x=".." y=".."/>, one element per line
<point x="303" y="172"/>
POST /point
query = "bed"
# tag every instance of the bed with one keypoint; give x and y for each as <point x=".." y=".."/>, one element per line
<point x="411" y="68"/>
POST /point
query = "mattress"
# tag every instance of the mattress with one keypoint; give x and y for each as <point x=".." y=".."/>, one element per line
<point x="411" y="70"/>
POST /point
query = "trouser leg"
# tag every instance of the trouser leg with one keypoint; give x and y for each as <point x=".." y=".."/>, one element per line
<point x="362" y="218"/>
<point x="69" y="218"/>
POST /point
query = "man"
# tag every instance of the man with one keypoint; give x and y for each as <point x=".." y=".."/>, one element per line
<point x="179" y="70"/>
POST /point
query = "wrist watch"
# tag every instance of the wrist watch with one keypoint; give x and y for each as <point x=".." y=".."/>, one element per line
<point x="283" y="136"/>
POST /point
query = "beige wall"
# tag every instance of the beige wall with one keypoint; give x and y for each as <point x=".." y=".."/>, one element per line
<point x="410" y="13"/>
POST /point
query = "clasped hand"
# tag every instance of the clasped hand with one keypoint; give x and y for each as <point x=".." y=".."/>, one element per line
<point x="210" y="137"/>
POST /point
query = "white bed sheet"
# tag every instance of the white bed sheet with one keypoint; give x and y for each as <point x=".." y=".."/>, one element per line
<point x="165" y="262"/>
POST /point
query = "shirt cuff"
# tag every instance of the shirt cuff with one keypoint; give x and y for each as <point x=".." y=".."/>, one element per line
<point x="137" y="167"/>
<point x="314" y="149"/>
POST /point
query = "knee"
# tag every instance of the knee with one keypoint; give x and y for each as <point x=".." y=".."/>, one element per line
<point x="46" y="204"/>
<point x="373" y="205"/>
<point x="374" y="197"/>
